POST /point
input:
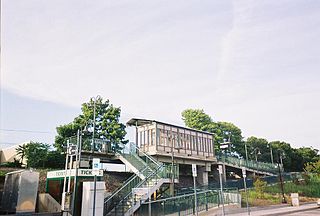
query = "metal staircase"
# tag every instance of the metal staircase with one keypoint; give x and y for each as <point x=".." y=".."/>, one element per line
<point x="149" y="176"/>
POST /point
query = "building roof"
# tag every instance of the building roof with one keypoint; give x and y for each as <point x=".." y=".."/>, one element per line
<point x="140" y="122"/>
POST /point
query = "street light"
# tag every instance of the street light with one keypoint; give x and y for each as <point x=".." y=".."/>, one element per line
<point x="256" y="152"/>
<point x="94" y="120"/>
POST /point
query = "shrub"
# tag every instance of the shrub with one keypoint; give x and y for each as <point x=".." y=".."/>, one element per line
<point x="260" y="187"/>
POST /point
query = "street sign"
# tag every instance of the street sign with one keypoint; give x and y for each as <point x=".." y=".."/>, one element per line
<point x="95" y="163"/>
<point x="72" y="150"/>
<point x="194" y="170"/>
<point x="244" y="173"/>
<point x="220" y="169"/>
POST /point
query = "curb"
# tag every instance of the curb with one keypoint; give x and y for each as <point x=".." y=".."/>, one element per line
<point x="292" y="211"/>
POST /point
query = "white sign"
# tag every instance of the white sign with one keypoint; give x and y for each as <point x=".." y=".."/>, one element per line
<point x="62" y="173"/>
<point x="220" y="169"/>
<point x="194" y="170"/>
<point x="72" y="150"/>
<point x="96" y="163"/>
<point x="95" y="172"/>
<point x="244" y="173"/>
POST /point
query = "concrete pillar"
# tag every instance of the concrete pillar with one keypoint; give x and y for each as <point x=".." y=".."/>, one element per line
<point x="224" y="172"/>
<point x="87" y="198"/>
<point x="202" y="174"/>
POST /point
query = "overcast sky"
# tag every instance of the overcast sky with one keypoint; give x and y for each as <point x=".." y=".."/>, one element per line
<point x="253" y="63"/>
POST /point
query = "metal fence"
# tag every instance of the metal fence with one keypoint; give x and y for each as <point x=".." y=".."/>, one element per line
<point x="256" y="165"/>
<point x="185" y="205"/>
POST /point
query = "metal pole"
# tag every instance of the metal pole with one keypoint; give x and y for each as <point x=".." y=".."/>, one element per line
<point x="149" y="204"/>
<point x="247" y="195"/>
<point x="172" y="164"/>
<point x="255" y="153"/>
<point x="281" y="180"/>
<point x="221" y="189"/>
<point x="195" y="195"/>
<point x="65" y="177"/>
<point x="94" y="195"/>
<point x="94" y="124"/>
<point x="245" y="147"/>
<point x="70" y="168"/>
<point x="76" y="174"/>
<point x="271" y="154"/>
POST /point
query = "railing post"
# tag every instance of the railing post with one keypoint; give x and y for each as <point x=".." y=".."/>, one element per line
<point x="206" y="199"/>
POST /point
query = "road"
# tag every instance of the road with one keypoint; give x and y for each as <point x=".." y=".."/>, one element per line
<point x="313" y="212"/>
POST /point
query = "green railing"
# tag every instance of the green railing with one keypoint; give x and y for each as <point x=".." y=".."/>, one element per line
<point x="255" y="165"/>
<point x="185" y="205"/>
<point x="130" y="200"/>
<point x="123" y="199"/>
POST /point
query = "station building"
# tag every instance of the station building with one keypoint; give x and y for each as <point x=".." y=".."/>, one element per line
<point x="177" y="145"/>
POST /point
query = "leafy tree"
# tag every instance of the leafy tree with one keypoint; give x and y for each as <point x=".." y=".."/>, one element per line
<point x="313" y="167"/>
<point x="106" y="124"/>
<point x="260" y="187"/>
<point x="36" y="154"/>
<point x="197" y="119"/>
<point x="256" y="145"/>
<point x="55" y="159"/>
<point x="21" y="152"/>
<point x="223" y="131"/>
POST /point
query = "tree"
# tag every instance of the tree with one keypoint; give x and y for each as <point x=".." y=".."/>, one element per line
<point x="223" y="131"/>
<point x="197" y="119"/>
<point x="36" y="154"/>
<point x="21" y="152"/>
<point x="107" y="125"/>
<point x="256" y="145"/>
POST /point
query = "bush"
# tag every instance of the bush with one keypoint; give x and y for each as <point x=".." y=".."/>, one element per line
<point x="260" y="187"/>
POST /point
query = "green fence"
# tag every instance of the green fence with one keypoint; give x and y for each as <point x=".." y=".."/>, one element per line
<point x="184" y="204"/>
<point x="255" y="165"/>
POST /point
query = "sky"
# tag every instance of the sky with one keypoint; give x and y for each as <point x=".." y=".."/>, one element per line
<point x="253" y="63"/>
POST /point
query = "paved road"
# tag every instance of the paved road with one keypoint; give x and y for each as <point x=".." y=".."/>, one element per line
<point x="307" y="213"/>
<point x="275" y="210"/>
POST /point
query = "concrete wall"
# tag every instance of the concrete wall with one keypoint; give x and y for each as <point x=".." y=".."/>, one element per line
<point x="47" y="203"/>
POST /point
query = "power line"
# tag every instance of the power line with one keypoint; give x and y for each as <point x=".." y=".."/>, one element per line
<point x="24" y="131"/>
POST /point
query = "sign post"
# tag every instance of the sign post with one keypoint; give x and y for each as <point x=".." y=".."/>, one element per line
<point x="244" y="175"/>
<point x="194" y="174"/>
<point x="95" y="171"/>
<point x="221" y="188"/>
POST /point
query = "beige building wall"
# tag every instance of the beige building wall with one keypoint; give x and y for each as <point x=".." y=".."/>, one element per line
<point x="10" y="153"/>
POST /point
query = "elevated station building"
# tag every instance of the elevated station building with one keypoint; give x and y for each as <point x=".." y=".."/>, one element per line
<point x="175" y="144"/>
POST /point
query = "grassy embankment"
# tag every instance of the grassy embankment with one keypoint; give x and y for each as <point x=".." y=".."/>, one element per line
<point x="271" y="194"/>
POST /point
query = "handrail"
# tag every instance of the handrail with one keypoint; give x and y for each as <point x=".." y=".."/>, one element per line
<point x="250" y="164"/>
<point x="123" y="186"/>
<point x="144" y="154"/>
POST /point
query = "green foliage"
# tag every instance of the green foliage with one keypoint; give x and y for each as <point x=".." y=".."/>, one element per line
<point x="260" y="187"/>
<point x="55" y="160"/>
<point x="107" y="125"/>
<point x="223" y="131"/>
<point x="15" y="164"/>
<point x="309" y="190"/>
<point x="21" y="152"/>
<point x="36" y="154"/>
<point x="197" y="119"/>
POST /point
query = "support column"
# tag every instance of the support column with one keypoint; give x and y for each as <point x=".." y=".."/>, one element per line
<point x="224" y="175"/>
<point x="202" y="174"/>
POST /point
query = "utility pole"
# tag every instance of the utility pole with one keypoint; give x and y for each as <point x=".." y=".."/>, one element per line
<point x="280" y="176"/>
<point x="244" y="174"/>
<point x="221" y="188"/>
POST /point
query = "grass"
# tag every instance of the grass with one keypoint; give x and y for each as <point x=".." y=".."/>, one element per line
<point x="256" y="199"/>
<point x="311" y="189"/>
<point x="272" y="194"/>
